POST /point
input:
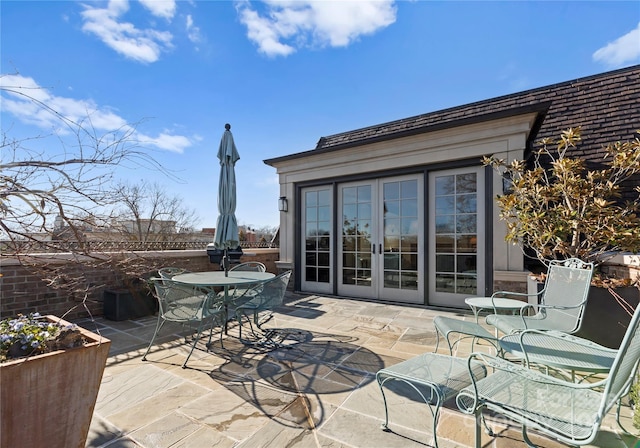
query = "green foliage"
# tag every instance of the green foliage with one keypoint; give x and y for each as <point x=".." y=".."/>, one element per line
<point x="634" y="398"/>
<point x="560" y="209"/>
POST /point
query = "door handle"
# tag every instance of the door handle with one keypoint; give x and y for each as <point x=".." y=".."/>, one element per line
<point x="373" y="249"/>
<point x="380" y="251"/>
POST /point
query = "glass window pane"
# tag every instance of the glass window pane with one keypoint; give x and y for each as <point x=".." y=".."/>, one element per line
<point x="466" y="183"/>
<point x="410" y="226"/>
<point x="324" y="197"/>
<point x="409" y="243"/>
<point x="444" y="205"/>
<point x="311" y="243"/>
<point x="391" y="279"/>
<point x="466" y="203"/>
<point x="349" y="260"/>
<point x="323" y="259"/>
<point x="445" y="263"/>
<point x="364" y="193"/>
<point x="364" y="261"/>
<point x="364" y="228"/>
<point x="444" y="224"/>
<point x="466" y="284"/>
<point x="409" y="189"/>
<point x="445" y="185"/>
<point x="349" y="195"/>
<point x="310" y="274"/>
<point x="466" y="223"/>
<point x="392" y="261"/>
<point x="444" y="243"/>
<point x="409" y="280"/>
<point x="409" y="262"/>
<point x="364" y="244"/>
<point x="324" y="228"/>
<point x="391" y="209"/>
<point x="349" y="212"/>
<point x="324" y="213"/>
<point x="323" y="243"/>
<point x="391" y="190"/>
<point x="311" y="214"/>
<point x="467" y="263"/>
<point x="445" y="283"/>
<point x="323" y="275"/>
<point x="311" y="198"/>
<point x="311" y="258"/>
<point x="467" y="243"/>
<point x="364" y="211"/>
<point x="409" y="207"/>
<point x="392" y="227"/>
<point x="391" y="244"/>
<point x="349" y="243"/>
<point x="349" y="276"/>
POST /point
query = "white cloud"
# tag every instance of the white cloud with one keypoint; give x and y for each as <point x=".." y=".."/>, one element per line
<point x="23" y="98"/>
<point x="625" y="49"/>
<point x="291" y="24"/>
<point x="193" y="32"/>
<point x="166" y="141"/>
<point x="160" y="8"/>
<point x="140" y="45"/>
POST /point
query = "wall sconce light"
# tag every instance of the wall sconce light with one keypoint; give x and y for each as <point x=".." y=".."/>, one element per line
<point x="283" y="204"/>
<point x="507" y="183"/>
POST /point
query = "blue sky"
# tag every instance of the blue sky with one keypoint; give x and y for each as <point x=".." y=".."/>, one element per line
<point x="285" y="73"/>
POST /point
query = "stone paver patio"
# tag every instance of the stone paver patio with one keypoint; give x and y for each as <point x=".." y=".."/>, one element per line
<point x="319" y="392"/>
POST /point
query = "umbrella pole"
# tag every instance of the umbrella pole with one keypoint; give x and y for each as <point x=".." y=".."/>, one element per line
<point x="225" y="260"/>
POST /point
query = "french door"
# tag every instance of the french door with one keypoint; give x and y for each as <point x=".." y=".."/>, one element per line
<point x="381" y="239"/>
<point x="456" y="246"/>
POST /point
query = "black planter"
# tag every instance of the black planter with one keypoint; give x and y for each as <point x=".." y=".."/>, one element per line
<point x="124" y="304"/>
<point x="605" y="320"/>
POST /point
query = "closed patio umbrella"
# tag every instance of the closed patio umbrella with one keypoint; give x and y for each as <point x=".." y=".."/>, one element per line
<point x="226" y="236"/>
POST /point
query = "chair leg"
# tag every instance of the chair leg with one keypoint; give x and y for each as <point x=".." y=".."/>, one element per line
<point x="195" y="341"/>
<point x="153" y="338"/>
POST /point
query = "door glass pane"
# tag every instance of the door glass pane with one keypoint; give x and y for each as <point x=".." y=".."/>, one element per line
<point x="400" y="202"/>
<point x="317" y="228"/>
<point x="356" y="235"/>
<point x="456" y="215"/>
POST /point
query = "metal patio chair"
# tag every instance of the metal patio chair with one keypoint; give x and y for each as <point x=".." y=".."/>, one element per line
<point x="186" y="305"/>
<point x="169" y="272"/>
<point x="564" y="410"/>
<point x="562" y="300"/>
<point x="264" y="296"/>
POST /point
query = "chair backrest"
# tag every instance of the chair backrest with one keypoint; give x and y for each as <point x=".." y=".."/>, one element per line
<point x="179" y="302"/>
<point x="169" y="272"/>
<point x="270" y="294"/>
<point x="567" y="289"/>
<point x="624" y="366"/>
<point x="254" y="266"/>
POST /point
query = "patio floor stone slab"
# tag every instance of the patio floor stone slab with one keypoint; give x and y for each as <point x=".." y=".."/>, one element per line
<point x="318" y="392"/>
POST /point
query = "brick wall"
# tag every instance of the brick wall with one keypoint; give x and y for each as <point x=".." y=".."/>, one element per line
<point x="23" y="291"/>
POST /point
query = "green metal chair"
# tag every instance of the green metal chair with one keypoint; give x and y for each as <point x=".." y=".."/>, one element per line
<point x="562" y="300"/>
<point x="186" y="305"/>
<point x="169" y="272"/>
<point x="264" y="296"/>
<point x="251" y="266"/>
<point x="564" y="410"/>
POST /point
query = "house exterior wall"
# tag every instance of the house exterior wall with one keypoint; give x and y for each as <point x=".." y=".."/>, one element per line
<point x="606" y="107"/>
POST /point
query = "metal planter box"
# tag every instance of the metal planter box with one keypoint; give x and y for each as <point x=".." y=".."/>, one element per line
<point x="48" y="399"/>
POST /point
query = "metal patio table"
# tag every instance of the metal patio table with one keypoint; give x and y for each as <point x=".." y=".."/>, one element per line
<point x="211" y="279"/>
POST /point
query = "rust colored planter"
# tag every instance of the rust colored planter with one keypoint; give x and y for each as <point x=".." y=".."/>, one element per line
<point x="47" y="400"/>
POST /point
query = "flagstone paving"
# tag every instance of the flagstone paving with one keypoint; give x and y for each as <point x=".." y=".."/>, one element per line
<point x="320" y="391"/>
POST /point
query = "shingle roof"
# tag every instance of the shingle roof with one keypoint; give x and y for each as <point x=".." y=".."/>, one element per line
<point x="606" y="106"/>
